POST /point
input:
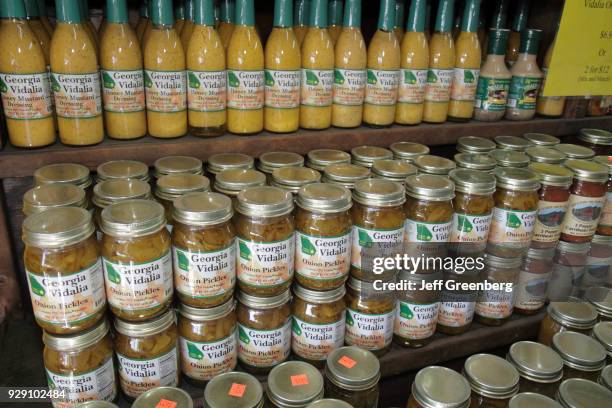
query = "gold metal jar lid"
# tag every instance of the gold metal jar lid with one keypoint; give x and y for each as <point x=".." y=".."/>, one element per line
<point x="579" y="393"/>
<point x="113" y="191"/>
<point x="601" y="298"/>
<point x="542" y="139"/>
<point x="66" y="173"/>
<point x="329" y="403"/>
<point x="264" y="201"/>
<point x="206" y="315"/>
<point x="345" y="174"/>
<point x="473" y="181"/>
<point x="319" y="296"/>
<point x="282" y="391"/>
<point x="352" y="368"/>
<point x="173" y="186"/>
<point x="541" y="154"/>
<point x="430" y="187"/>
<point x="604" y="161"/>
<point x="221" y="391"/>
<point x="233" y="181"/>
<point x="474" y="144"/>
<point x="202" y="209"/>
<point x="393" y="170"/>
<point x="430" y="164"/>
<point x="574" y="314"/>
<point x="587" y="170"/>
<point x="57" y="227"/>
<point x="475" y="161"/>
<point x="605" y="378"/>
<point x="96" y="404"/>
<point x="441" y="387"/>
<point x="324" y="198"/>
<point x="276" y="160"/>
<point x="491" y="376"/>
<point x="602" y="332"/>
<point x="226" y="161"/>
<point x="258" y="302"/>
<point x="365" y="155"/>
<point x="379" y="193"/>
<point x="574" y="151"/>
<point x="532" y="400"/>
<point x="177" y="164"/>
<point x="499" y="262"/>
<point x="579" y="351"/>
<point x="293" y="178"/>
<point x="408" y="151"/>
<point x="319" y="159"/>
<point x="122" y="169"/>
<point x="516" y="179"/>
<point x="510" y="158"/>
<point x="552" y="174"/>
<point x="133" y="218"/>
<point x="152" y="398"/>
<point x="596" y="136"/>
<point x="77" y="341"/>
<point x="54" y="195"/>
<point x="512" y="143"/>
<point x="149" y="327"/>
<point x="536" y="362"/>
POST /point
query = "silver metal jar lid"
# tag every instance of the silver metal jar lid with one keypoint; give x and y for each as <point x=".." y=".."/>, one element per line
<point x="510" y="158"/>
<point x="54" y="195"/>
<point x="177" y="164"/>
<point x="345" y="174"/>
<point x="542" y="139"/>
<point x="264" y="201"/>
<point x="545" y="254"/>
<point x="96" y="404"/>
<point x="57" y="227"/>
<point x="491" y="376"/>
<point x="379" y="193"/>
<point x="153" y="397"/>
<point x="576" y="315"/>
<point x="430" y="187"/>
<point x="601" y="298"/>
<point x="233" y="181"/>
<point x="516" y="179"/>
<point x="408" y="151"/>
<point x="173" y="186"/>
<point x="596" y="136"/>
<point x="319" y="296"/>
<point x="202" y="209"/>
<point x="588" y="170"/>
<point x="475" y="161"/>
<point x="366" y="155"/>
<point x="226" y="161"/>
<point x="512" y="143"/>
<point x="602" y="332"/>
<point x="574" y="151"/>
<point x="276" y="160"/>
<point x="604" y="161"/>
<point x="394" y="170"/>
<point x="431" y="164"/>
<point x="209" y="314"/>
<point x="259" y="302"/>
<point x="552" y="174"/>
<point x="579" y="393"/>
<point x="122" y="169"/>
<point x="352" y="368"/>
<point x="145" y="328"/>
<point x="473" y="181"/>
<point x="329" y="403"/>
<point x="324" y="198"/>
<point x="293" y="178"/>
<point x="66" y="173"/>
<point x="441" y="387"/>
<point x="532" y="400"/>
<point x="294" y="384"/>
<point x="573" y="247"/>
<point x="536" y="362"/>
<point x="605" y="378"/>
<point x="319" y="159"/>
<point x="133" y="218"/>
<point x="113" y="191"/>
<point x="222" y="391"/>
<point x="499" y="262"/>
<point x="77" y="341"/>
<point x="541" y="154"/>
<point x="579" y="351"/>
<point x="474" y="144"/>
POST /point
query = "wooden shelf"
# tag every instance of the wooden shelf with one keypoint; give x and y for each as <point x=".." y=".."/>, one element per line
<point x="16" y="162"/>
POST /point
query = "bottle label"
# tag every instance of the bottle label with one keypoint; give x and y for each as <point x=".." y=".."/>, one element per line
<point x="123" y="91"/>
<point x="438" y="85"/>
<point x="470" y="228"/>
<point x="265" y="264"/>
<point x="322" y="258"/>
<point x="205" y="274"/>
<point x="464" y="84"/>
<point x="492" y="94"/>
<point x="140" y="375"/>
<point x="349" y="86"/>
<point x="456" y="314"/>
<point x="282" y="89"/>
<point x="530" y="291"/>
<point x="582" y="215"/>
<point x="26" y="96"/>
<point x="548" y="223"/>
<point x="68" y="299"/>
<point x="512" y="227"/>
<point x="419" y="231"/>
<point x="416" y="321"/>
<point x="606" y="215"/>
<point x="412" y="85"/>
<point x="205" y="360"/>
<point x="77" y="95"/>
<point x="369" y="331"/>
<point x="317" y="87"/>
<point x="370" y="243"/>
<point x="166" y="91"/>
<point x="138" y="286"/>
<point x="495" y="304"/>
<point x="381" y="87"/>
<point x="245" y="89"/>
<point x="316" y="341"/>
<point x="523" y="92"/>
<point x="206" y="91"/>
<point x="264" y="348"/>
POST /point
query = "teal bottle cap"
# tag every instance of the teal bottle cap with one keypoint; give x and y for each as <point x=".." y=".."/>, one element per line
<point x="302" y="13"/>
<point x="179" y="10"/>
<point x="161" y="12"/>
<point x="416" y="16"/>
<point x="245" y="13"/>
<point x="386" y="15"/>
<point x="530" y="41"/>
<point x="500" y="16"/>
<point x="12" y="9"/>
<point x="204" y="12"/>
<point x="189" y="10"/>
<point x="352" y="14"/>
<point x="31" y="7"/>
<point x="42" y="8"/>
<point x="522" y="14"/>
<point x="471" y="14"/>
<point x="444" y="19"/>
<point x="498" y="39"/>
<point x="334" y="12"/>
<point x="226" y="10"/>
<point x="283" y="13"/>
<point x="318" y="13"/>
<point x="144" y="9"/>
<point x="68" y="11"/>
<point x="400" y="13"/>
<point x="84" y="6"/>
<point x="117" y="11"/>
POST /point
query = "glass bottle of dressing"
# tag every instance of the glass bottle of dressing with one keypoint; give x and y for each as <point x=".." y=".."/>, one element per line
<point x="383" y="70"/>
<point x="549" y="105"/>
<point x="467" y="65"/>
<point x="526" y="78"/>
<point x="122" y="76"/>
<point x="42" y="9"/>
<point x="414" y="64"/>
<point x="143" y="20"/>
<point x="226" y="25"/>
<point x="87" y="24"/>
<point x="334" y="12"/>
<point x="519" y="23"/>
<point x="441" y="64"/>
<point x="283" y="63"/>
<point x="38" y="27"/>
<point x="494" y="81"/>
<point x="245" y="73"/>
<point x="179" y="15"/>
<point x="147" y="30"/>
<point x="206" y="86"/>
<point x="301" y="19"/>
<point x="189" y="23"/>
<point x="400" y="15"/>
<point x="317" y="71"/>
<point x="165" y="85"/>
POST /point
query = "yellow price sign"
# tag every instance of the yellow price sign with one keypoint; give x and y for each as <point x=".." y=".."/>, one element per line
<point x="581" y="62"/>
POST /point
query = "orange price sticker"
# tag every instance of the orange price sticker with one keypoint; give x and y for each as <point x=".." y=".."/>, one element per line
<point x="164" y="403"/>
<point x="237" y="390"/>
<point x="347" y="362"/>
<point x="300" y="379"/>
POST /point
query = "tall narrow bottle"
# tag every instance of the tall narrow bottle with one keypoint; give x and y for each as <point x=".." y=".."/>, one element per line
<point x="414" y="64"/>
<point x="301" y="19"/>
<point x="165" y="85"/>
<point x="122" y="76"/>
<point x="226" y="23"/>
<point x="188" y="25"/>
<point x="283" y="63"/>
<point x="400" y="14"/>
<point x="317" y="71"/>
<point x="42" y="9"/>
<point x="206" y="74"/>
<point x="552" y="106"/>
<point x="24" y="81"/>
<point x="526" y="78"/>
<point x="467" y="65"/>
<point x="441" y="65"/>
<point x="179" y="15"/>
<point x="245" y="73"/>
<point x="499" y="20"/>
<point x="383" y="70"/>
<point x="518" y="25"/>
<point x="350" y="69"/>
<point x="87" y="24"/>
<point x="143" y="20"/>
<point x="147" y="31"/>
<point x="334" y="16"/>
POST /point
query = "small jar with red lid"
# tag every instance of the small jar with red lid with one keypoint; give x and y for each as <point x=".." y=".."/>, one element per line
<point x="530" y="290"/>
<point x="605" y="222"/>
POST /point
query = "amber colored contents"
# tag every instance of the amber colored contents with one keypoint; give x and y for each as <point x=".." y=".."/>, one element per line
<point x="496" y="310"/>
<point x="479" y="401"/>
<point x="549" y="327"/>
<point x="471" y="204"/>
<point x="367" y="398"/>
<point x="604" y="229"/>
<point x="533" y="266"/>
<point x="419" y="297"/>
<point x="583" y="188"/>
<point x="549" y="389"/>
<point x="556" y="194"/>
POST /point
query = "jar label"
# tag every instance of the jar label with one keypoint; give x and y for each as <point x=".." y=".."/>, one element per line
<point x="95" y="385"/>
<point x="317" y="87"/>
<point x="523" y="92"/>
<point x="512" y="227"/>
<point x="412" y="85"/>
<point x="381" y="87"/>
<point x="492" y="94"/>
<point x="205" y="360"/>
<point x="415" y="321"/>
<point x="606" y="215"/>
<point x="530" y="291"/>
<point x="68" y="299"/>
<point x="457" y="309"/>
<point x="349" y="86"/>
<point x="464" y="84"/>
<point x="419" y="231"/>
<point x="26" y="96"/>
<point x="370" y="243"/>
<point x="123" y="91"/>
<point x="316" y="341"/>
<point x="470" y="228"/>
<point x="138" y="286"/>
<point x="206" y="91"/>
<point x="245" y="89"/>
<point x="265" y="264"/>
<point x="77" y="95"/>
<point x="322" y="258"/>
<point x="369" y="331"/>
<point x="139" y="375"/>
<point x="495" y="304"/>
<point x="282" y="89"/>
<point x="438" y="84"/>
<point x="166" y="91"/>
<point x="264" y="348"/>
<point x="582" y="215"/>
<point x="205" y="274"/>
<point x="549" y="220"/>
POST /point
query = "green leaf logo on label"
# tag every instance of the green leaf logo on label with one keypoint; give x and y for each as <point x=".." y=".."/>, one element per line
<point x="37" y="288"/>
<point x="468" y="77"/>
<point x="112" y="274"/>
<point x="194" y="82"/>
<point x="338" y="77"/>
<point x="108" y="81"/>
<point x="3" y="87"/>
<point x="54" y="84"/>
<point x="463" y="224"/>
<point x="50" y="382"/>
<point x="364" y="239"/>
<point x="269" y="78"/>
<point x="423" y="233"/>
<point x="409" y="78"/>
<point x="295" y="326"/>
<point x="245" y="252"/>
<point x="349" y="319"/>
<point x="512" y="221"/>
<point x="372" y="77"/>
<point x="183" y="261"/>
<point x="194" y="351"/>
<point x="307" y="246"/>
<point x="243" y="336"/>
<point x="312" y="78"/>
<point x="147" y="80"/>
<point x="405" y="311"/>
<point x="232" y="79"/>
<point x="431" y="77"/>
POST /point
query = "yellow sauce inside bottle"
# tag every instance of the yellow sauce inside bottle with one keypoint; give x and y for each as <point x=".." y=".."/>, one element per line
<point x="301" y="18"/>
<point x="42" y="9"/>
<point x="188" y="25"/>
<point x="442" y="58"/>
<point x="463" y="92"/>
<point x="226" y="24"/>
<point x="549" y="105"/>
<point x="414" y="63"/>
<point x="92" y="33"/>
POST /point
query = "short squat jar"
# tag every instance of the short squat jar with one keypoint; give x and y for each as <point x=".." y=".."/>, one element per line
<point x="173" y="186"/>
<point x="583" y="357"/>
<point x="577" y="316"/>
<point x="293" y="384"/>
<point x="533" y="279"/>
<point x="226" y="389"/>
<point x="493" y="380"/>
<point x="579" y="393"/>
<point x="539" y="367"/>
<point x="494" y="306"/>
<point x="436" y="386"/>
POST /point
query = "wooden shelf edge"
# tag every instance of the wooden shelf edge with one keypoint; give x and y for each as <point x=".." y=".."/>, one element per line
<point x="16" y="162"/>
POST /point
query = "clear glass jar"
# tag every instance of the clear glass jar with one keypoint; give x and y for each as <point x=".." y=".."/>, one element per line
<point x="475" y="161"/>
<point x="177" y="165"/>
<point x="319" y="159"/>
<point x="510" y="158"/>
<point x="64" y="270"/>
<point x="457" y="305"/>
<point x="270" y="161"/>
<point x="605" y="221"/>
<point x="266" y="241"/>
<point x="170" y="187"/>
<point x="515" y="143"/>
<point x="231" y="182"/>
<point x="533" y="279"/>
<point x="494" y="306"/>
<point x="65" y="173"/>
<point x="293" y="384"/>
<point x="577" y="316"/>
<point x="493" y="380"/>
<point x="223" y="390"/>
<point x="474" y="144"/>
<point x="583" y="357"/>
<point x="292" y="179"/>
<point x="55" y="195"/>
<point x="436" y="386"/>
<point x="579" y="393"/>
<point x="228" y="161"/>
<point x="122" y="169"/>
<point x="602" y="332"/>
<point x="392" y="170"/>
<point x="366" y="155"/>
<point x="542" y="154"/>
<point x="147" y="354"/>
<point x="539" y="367"/>
<point x="113" y="191"/>
<point x="408" y="151"/>
<point x="542" y="139"/>
<point x="345" y="174"/>
<point x="161" y="396"/>
<point x="599" y="140"/>
<point x="137" y="261"/>
<point x="568" y="270"/>
<point x="430" y="164"/>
